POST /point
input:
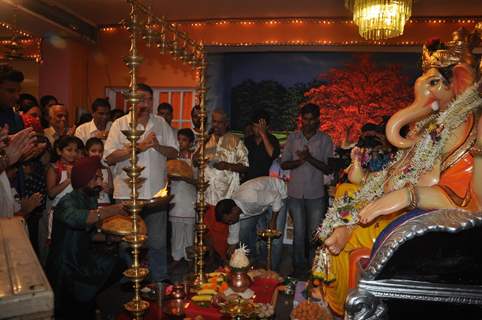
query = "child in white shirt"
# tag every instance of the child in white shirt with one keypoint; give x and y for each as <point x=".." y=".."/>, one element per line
<point x="94" y="147"/>
<point x="182" y="215"/>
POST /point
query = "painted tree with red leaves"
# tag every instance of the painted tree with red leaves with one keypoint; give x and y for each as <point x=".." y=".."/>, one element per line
<point x="360" y="92"/>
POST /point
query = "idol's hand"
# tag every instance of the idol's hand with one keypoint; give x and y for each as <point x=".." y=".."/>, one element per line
<point x="389" y="203"/>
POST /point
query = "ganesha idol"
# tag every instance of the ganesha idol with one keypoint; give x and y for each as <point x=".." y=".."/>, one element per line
<point x="438" y="164"/>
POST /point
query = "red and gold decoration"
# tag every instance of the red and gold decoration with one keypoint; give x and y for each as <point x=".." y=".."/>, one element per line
<point x="380" y="19"/>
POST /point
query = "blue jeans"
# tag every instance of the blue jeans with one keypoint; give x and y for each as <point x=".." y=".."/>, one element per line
<point x="157" y="245"/>
<point x="248" y="236"/>
<point x="277" y="246"/>
<point x="307" y="215"/>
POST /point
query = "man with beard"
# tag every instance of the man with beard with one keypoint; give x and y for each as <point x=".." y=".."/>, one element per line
<point x="156" y="145"/>
<point x="306" y="154"/>
<point x="75" y="270"/>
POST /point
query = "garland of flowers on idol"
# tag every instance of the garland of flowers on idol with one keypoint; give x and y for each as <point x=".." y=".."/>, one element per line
<point x="437" y="130"/>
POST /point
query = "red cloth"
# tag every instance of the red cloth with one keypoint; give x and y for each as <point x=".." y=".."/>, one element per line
<point x="217" y="232"/>
<point x="263" y="289"/>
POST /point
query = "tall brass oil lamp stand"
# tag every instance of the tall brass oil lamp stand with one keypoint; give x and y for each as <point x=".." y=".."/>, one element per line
<point x="175" y="42"/>
<point x="136" y="274"/>
<point x="201" y="228"/>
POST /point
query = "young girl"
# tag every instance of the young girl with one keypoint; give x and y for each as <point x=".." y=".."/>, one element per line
<point x="64" y="154"/>
<point x="95" y="147"/>
<point x="182" y="215"/>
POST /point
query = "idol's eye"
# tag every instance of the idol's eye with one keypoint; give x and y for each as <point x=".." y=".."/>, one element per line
<point x="434" y="82"/>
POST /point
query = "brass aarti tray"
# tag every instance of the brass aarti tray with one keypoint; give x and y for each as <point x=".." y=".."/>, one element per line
<point x="238" y="308"/>
<point x="122" y="225"/>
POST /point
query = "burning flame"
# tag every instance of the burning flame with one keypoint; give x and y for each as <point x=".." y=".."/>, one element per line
<point x="162" y="193"/>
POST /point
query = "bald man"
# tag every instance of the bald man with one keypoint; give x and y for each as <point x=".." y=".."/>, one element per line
<point x="58" y="117"/>
<point x="227" y="158"/>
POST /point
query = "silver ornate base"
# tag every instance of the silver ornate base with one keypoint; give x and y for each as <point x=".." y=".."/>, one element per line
<point x="362" y="305"/>
<point x="366" y="302"/>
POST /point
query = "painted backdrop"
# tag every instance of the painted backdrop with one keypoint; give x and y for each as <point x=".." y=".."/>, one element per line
<point x="351" y="88"/>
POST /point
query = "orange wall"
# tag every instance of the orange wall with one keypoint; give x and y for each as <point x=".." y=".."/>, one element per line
<point x="63" y="74"/>
<point x="106" y="66"/>
<point x="54" y="78"/>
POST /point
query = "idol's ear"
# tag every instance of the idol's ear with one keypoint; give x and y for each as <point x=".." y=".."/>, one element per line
<point x="463" y="78"/>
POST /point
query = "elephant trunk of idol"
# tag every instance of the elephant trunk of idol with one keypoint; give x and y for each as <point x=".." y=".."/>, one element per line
<point x="422" y="107"/>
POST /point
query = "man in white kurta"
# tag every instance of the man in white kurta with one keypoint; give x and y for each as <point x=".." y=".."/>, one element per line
<point x="227" y="158"/>
<point x="156" y="145"/>
<point x="241" y="212"/>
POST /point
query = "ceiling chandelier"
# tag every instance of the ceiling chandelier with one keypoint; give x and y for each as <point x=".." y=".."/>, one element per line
<point x="380" y="19"/>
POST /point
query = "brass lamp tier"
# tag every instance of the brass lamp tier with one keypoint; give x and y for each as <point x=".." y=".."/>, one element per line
<point x="269" y="235"/>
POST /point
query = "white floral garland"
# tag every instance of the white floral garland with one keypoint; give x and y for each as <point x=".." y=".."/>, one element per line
<point x="426" y="152"/>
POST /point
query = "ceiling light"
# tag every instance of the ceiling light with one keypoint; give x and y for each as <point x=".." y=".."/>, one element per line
<point x="380" y="19"/>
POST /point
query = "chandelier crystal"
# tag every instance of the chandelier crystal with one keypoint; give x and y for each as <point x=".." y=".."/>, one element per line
<point x="380" y="19"/>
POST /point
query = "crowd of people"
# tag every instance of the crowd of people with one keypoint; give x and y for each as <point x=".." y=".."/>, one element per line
<point x="64" y="180"/>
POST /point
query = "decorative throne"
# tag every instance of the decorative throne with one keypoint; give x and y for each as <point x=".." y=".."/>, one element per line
<point x="428" y="264"/>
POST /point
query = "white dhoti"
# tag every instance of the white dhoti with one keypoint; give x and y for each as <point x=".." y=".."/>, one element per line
<point x="182" y="237"/>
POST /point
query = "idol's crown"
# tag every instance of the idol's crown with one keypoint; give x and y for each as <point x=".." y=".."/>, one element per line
<point x="437" y="54"/>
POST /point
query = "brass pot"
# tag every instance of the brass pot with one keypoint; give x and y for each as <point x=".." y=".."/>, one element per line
<point x="238" y="280"/>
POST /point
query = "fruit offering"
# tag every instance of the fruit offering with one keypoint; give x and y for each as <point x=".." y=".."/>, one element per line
<point x="215" y="285"/>
<point x="308" y="310"/>
<point x="264" y="274"/>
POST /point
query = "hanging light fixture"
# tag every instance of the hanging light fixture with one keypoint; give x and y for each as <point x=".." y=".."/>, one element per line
<point x="380" y="19"/>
